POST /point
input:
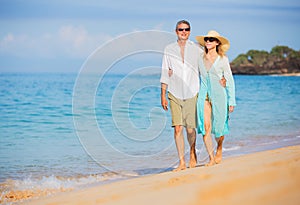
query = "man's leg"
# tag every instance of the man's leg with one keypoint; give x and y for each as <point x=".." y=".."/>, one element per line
<point x="179" y="141"/>
<point x="191" y="135"/>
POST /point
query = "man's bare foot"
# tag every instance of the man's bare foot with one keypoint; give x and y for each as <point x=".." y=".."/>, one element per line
<point x="193" y="162"/>
<point x="179" y="168"/>
<point x="218" y="157"/>
<point x="193" y="159"/>
<point x="210" y="163"/>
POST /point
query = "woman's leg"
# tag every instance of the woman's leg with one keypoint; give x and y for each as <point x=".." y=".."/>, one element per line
<point x="218" y="157"/>
<point x="207" y="137"/>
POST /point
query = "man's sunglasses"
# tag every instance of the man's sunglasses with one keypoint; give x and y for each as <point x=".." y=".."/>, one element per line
<point x="210" y="39"/>
<point x="184" y="29"/>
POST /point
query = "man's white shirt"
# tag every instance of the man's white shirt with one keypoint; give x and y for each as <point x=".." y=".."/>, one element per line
<point x="184" y="81"/>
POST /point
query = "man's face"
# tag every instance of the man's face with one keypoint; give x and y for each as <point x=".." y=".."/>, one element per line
<point x="183" y="31"/>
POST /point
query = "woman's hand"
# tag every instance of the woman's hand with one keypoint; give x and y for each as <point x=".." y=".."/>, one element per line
<point x="231" y="108"/>
<point x="170" y="72"/>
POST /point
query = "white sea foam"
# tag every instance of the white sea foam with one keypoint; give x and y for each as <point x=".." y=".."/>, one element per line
<point x="268" y="143"/>
<point x="231" y="148"/>
<point x="51" y="184"/>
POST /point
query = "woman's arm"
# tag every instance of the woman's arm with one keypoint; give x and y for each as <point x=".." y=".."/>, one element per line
<point x="230" y="85"/>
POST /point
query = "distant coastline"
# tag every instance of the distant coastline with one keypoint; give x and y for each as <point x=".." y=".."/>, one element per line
<point x="287" y="74"/>
<point x="282" y="60"/>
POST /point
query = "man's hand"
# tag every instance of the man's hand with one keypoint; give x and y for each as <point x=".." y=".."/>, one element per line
<point x="223" y="82"/>
<point x="231" y="108"/>
<point x="164" y="102"/>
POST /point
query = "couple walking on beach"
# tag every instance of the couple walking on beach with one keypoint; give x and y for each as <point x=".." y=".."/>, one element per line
<point x="198" y="82"/>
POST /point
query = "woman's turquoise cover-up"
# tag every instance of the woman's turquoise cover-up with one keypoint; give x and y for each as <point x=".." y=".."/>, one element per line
<point x="221" y="98"/>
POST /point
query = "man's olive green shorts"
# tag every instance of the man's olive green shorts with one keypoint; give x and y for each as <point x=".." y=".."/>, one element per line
<point x="183" y="111"/>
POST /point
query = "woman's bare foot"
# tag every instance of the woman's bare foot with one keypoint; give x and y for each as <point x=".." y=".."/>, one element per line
<point x="210" y="163"/>
<point x="218" y="157"/>
<point x="179" y="168"/>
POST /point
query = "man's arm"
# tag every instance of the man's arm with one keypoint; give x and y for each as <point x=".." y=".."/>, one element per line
<point x="164" y="101"/>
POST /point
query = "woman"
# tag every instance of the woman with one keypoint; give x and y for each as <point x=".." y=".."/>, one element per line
<point x="215" y="102"/>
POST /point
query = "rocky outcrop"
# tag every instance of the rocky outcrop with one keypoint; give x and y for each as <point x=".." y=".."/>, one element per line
<point x="281" y="60"/>
<point x="282" y="67"/>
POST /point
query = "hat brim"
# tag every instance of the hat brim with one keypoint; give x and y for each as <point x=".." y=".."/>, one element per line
<point x="224" y="42"/>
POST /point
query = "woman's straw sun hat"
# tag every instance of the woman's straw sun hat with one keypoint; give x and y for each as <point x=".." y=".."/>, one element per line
<point x="224" y="42"/>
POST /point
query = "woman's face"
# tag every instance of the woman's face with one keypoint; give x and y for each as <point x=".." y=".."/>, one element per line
<point x="211" y="43"/>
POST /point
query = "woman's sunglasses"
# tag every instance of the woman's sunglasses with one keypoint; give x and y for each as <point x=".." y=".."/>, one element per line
<point x="210" y="39"/>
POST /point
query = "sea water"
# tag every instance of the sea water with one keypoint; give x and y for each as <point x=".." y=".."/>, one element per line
<point x="57" y="132"/>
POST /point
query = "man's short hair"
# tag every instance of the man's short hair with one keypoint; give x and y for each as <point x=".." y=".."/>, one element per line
<point x="181" y="22"/>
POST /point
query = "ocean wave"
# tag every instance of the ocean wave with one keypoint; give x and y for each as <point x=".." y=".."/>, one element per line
<point x="231" y="148"/>
<point x="19" y="190"/>
<point x="269" y="143"/>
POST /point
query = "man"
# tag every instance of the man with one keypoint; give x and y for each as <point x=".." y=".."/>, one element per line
<point x="180" y="76"/>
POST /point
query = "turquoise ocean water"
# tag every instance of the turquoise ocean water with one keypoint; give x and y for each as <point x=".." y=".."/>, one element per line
<point x="50" y="138"/>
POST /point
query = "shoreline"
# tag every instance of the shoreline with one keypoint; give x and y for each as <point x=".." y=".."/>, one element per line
<point x="255" y="176"/>
<point x="287" y="74"/>
<point x="34" y="188"/>
<point x="267" y="74"/>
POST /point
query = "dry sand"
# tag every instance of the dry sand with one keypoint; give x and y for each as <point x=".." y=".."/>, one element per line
<point x="268" y="177"/>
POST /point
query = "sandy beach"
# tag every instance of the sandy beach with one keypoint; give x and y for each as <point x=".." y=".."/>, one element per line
<point x="268" y="177"/>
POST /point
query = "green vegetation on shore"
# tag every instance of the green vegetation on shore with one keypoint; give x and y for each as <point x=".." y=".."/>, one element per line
<point x="281" y="60"/>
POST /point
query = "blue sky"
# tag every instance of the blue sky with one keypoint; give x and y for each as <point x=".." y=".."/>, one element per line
<point x="59" y="35"/>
